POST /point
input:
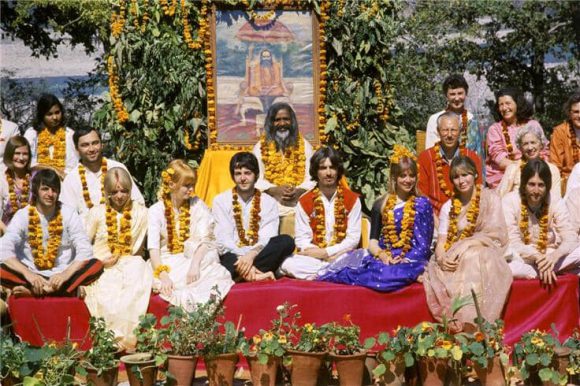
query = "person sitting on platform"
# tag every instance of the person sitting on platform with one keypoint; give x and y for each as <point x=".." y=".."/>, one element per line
<point x="7" y="130"/>
<point x="50" y="141"/>
<point x="573" y="180"/>
<point x="181" y="242"/>
<point x="117" y="229"/>
<point x="328" y="219"/>
<point x="83" y="187"/>
<point x="541" y="235"/>
<point x="530" y="141"/>
<point x="401" y="234"/>
<point x="247" y="225"/>
<point x="455" y="89"/>
<point x="434" y="162"/>
<point x="15" y="180"/>
<point x="471" y="241"/>
<point x="565" y="141"/>
<point x="45" y="250"/>
<point x="284" y="159"/>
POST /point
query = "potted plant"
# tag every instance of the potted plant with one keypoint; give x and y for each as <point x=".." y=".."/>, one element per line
<point x="394" y="357"/>
<point x="573" y="367"/>
<point x="15" y="360"/>
<point x="221" y="352"/>
<point x="58" y="362"/>
<point x="99" y="364"/>
<point x="534" y="356"/>
<point x="309" y="349"/>
<point x="142" y="366"/>
<point x="346" y="351"/>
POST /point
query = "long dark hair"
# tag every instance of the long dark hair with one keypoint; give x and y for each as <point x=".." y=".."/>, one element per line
<point x="269" y="124"/>
<point x="46" y="177"/>
<point x="525" y="110"/>
<point x="322" y="154"/>
<point x="45" y="103"/>
<point x="531" y="168"/>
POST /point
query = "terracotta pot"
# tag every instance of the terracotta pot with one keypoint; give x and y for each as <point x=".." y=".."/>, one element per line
<point x="263" y="374"/>
<point x="305" y="367"/>
<point x="493" y="375"/>
<point x="371" y="362"/>
<point x="395" y="374"/>
<point x="350" y="368"/>
<point x="182" y="369"/>
<point x="433" y="371"/>
<point x="221" y="368"/>
<point x="107" y="377"/>
<point x="10" y="381"/>
<point x="142" y="363"/>
<point x="412" y="375"/>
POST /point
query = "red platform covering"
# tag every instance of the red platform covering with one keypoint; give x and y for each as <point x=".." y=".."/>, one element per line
<point x="529" y="306"/>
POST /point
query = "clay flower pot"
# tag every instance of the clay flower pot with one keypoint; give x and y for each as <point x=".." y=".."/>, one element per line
<point x="350" y="368"/>
<point x="433" y="371"/>
<point x="221" y="368"/>
<point x="263" y="374"/>
<point x="142" y="363"/>
<point x="395" y="374"/>
<point x="10" y="381"/>
<point x="182" y="369"/>
<point x="305" y="367"/>
<point x="107" y="377"/>
<point x="493" y="375"/>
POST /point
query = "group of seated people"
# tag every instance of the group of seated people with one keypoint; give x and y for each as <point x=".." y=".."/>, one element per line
<point x="74" y="223"/>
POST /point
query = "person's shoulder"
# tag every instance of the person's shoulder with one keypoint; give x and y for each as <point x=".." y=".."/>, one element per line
<point x="433" y="117"/>
<point x="9" y="127"/>
<point x="111" y="163"/>
<point x="158" y="206"/>
<point x="495" y="126"/>
<point x="69" y="131"/>
<point x="562" y="128"/>
<point x="267" y="199"/>
<point x="423" y="202"/>
<point x="30" y="132"/>
<point x="426" y="154"/>
<point x="224" y="196"/>
<point x="197" y="203"/>
<point x="511" y="197"/>
<point x="97" y="210"/>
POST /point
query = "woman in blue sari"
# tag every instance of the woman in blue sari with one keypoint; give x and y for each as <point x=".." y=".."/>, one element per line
<point x="401" y="235"/>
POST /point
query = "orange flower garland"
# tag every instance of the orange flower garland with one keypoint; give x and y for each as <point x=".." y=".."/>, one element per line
<point x="260" y="19"/>
<point x="472" y="214"/>
<point x="403" y="239"/>
<point x="542" y="241"/>
<point x="57" y="140"/>
<point x="574" y="141"/>
<point x="22" y="200"/>
<point x="134" y="13"/>
<point x="174" y="244"/>
<point x="168" y="10"/>
<point x="439" y="169"/>
<point x="44" y="259"/>
<point x="283" y="169"/>
<point x="83" y="176"/>
<point x="118" y="20"/>
<point x="202" y="30"/>
<point x="253" y="235"/>
<point x="122" y="114"/>
<point x="119" y="241"/>
<point x="324" y="7"/>
<point x="508" y="142"/>
<point x="319" y="237"/>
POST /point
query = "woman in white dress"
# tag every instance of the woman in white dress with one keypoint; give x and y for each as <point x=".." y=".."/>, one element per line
<point x="181" y="243"/>
<point x="117" y="230"/>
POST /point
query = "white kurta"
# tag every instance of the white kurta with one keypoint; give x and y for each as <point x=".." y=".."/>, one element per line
<point x="212" y="273"/>
<point x="573" y="179"/>
<point x="9" y="129"/>
<point x="71" y="157"/>
<point x="121" y="294"/>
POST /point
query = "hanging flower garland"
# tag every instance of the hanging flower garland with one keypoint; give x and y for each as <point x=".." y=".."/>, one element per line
<point x="390" y="235"/>
<point x="254" y="228"/>
<point x="542" y="242"/>
<point x="83" y="176"/>
<point x="122" y="114"/>
<point x="574" y="142"/>
<point x="324" y="7"/>
<point x="118" y="20"/>
<point x="57" y="140"/>
<point x="439" y="169"/>
<point x="472" y="214"/>
<point x="508" y="142"/>
<point x="283" y="169"/>
<point x="339" y="229"/>
<point x="168" y="10"/>
<point x="119" y="240"/>
<point x="174" y="242"/>
<point x="21" y="200"/>
<point x="261" y="19"/>
<point x="134" y="10"/>
<point x="202" y="22"/>
<point x="44" y="259"/>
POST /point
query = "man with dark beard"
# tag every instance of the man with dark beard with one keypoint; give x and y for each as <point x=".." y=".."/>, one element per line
<point x="284" y="158"/>
<point x="265" y="79"/>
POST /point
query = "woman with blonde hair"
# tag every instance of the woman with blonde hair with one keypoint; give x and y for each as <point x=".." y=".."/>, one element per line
<point x="181" y="243"/>
<point x="117" y="231"/>
<point x="401" y="234"/>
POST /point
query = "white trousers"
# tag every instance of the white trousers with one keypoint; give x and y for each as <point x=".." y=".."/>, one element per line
<point x="566" y="264"/>
<point x="302" y="267"/>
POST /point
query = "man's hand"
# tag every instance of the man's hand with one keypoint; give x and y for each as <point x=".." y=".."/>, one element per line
<point x="317" y="253"/>
<point x="193" y="273"/>
<point x="245" y="263"/>
<point x="56" y="281"/>
<point x="37" y="282"/>
<point x="110" y="261"/>
<point x="545" y="265"/>
<point x="166" y="287"/>
<point x="277" y="192"/>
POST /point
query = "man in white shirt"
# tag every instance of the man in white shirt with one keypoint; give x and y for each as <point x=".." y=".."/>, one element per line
<point x="83" y="186"/>
<point x="328" y="219"/>
<point x="45" y="250"/>
<point x="247" y="225"/>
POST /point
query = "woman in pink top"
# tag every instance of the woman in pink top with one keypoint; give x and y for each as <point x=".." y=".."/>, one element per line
<point x="515" y="112"/>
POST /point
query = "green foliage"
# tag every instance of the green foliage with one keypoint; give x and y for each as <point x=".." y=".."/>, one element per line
<point x="343" y="339"/>
<point x="573" y="343"/>
<point x="17" y="359"/>
<point x="483" y="345"/>
<point x="58" y="362"/>
<point x="311" y="338"/>
<point x="150" y="339"/>
<point x="534" y="353"/>
<point x="101" y="356"/>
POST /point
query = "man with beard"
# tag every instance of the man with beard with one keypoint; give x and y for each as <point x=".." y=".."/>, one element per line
<point x="284" y="159"/>
<point x="264" y="79"/>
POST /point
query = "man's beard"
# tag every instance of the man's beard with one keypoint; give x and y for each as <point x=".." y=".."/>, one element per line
<point x="284" y="139"/>
<point x="266" y="62"/>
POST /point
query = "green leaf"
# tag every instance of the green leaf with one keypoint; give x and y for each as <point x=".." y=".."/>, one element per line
<point x="545" y="374"/>
<point x="262" y="358"/>
<point x="379" y="370"/>
<point x="532" y="359"/>
<point x="409" y="359"/>
<point x="369" y="343"/>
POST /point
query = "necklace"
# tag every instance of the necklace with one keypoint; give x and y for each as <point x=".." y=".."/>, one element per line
<point x="17" y="201"/>
<point x="254" y="219"/>
<point x="285" y="168"/>
<point x="472" y="214"/>
<point x="83" y="176"/>
<point x="403" y="239"/>
<point x="339" y="229"/>
<point x="57" y="140"/>
<point x="44" y="259"/>
<point x="508" y="142"/>
<point x="119" y="241"/>
<point x="542" y="241"/>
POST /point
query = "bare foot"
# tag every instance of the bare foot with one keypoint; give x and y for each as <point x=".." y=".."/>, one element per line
<point x="261" y="276"/>
<point x="420" y="278"/>
<point x="21" y="292"/>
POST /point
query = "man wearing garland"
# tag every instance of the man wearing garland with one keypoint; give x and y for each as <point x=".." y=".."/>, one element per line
<point x="284" y="159"/>
<point x="45" y="250"/>
<point x="83" y="187"/>
<point x="434" y="162"/>
<point x="328" y="219"/>
<point x="247" y="225"/>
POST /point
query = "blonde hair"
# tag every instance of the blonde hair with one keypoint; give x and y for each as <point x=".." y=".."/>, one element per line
<point x="404" y="163"/>
<point x="116" y="176"/>
<point x="183" y="173"/>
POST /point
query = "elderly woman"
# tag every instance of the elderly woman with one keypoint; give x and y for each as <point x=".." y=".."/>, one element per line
<point x="530" y="140"/>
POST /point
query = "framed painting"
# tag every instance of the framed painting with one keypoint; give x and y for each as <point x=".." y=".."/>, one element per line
<point x="261" y="58"/>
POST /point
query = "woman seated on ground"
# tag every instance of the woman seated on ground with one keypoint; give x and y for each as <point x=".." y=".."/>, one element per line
<point x="15" y="181"/>
<point x="181" y="243"/>
<point x="541" y="235"/>
<point x="401" y="234"/>
<point x="530" y="140"/>
<point x="471" y="241"/>
<point x="117" y="230"/>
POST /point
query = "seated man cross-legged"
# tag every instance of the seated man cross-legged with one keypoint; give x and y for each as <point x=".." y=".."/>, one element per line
<point x="45" y="250"/>
<point x="247" y="225"/>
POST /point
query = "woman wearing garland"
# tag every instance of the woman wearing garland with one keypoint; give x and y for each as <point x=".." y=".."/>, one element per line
<point x="471" y="242"/>
<point x="401" y="234"/>
<point x="15" y="180"/>
<point x="541" y="235"/>
<point x="50" y="141"/>
<point x="530" y="141"/>
<point x="181" y="242"/>
<point x="117" y="230"/>
<point x="515" y="112"/>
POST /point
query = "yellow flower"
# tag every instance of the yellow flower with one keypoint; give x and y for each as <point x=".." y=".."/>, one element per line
<point x="538" y="341"/>
<point x="308" y="327"/>
<point x="282" y="339"/>
<point x="256" y="339"/>
<point x="268" y="336"/>
<point x="446" y="345"/>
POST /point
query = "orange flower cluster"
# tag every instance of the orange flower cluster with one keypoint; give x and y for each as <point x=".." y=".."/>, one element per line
<point x="161" y="268"/>
<point x="134" y="13"/>
<point x="210" y="88"/>
<point x="319" y="237"/>
<point x="400" y="152"/>
<point x="122" y="114"/>
<point x="83" y="176"/>
<point x="439" y="169"/>
<point x="574" y="140"/>
<point x="508" y="142"/>
<point x="381" y="110"/>
<point x="22" y="199"/>
<point x="202" y="22"/>
<point x="542" y="242"/>
<point x="118" y="20"/>
<point x="57" y="140"/>
<point x="283" y="169"/>
<point x="262" y="19"/>
<point x="253" y="235"/>
<point x="168" y="10"/>
<point x="403" y="239"/>
<point x="324" y="7"/>
<point x="119" y="241"/>
<point x="472" y="214"/>
<point x="44" y="260"/>
<point x="174" y="244"/>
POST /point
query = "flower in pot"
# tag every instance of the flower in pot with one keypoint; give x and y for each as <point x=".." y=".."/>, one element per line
<point x="309" y="345"/>
<point x="534" y="356"/>
<point x="221" y="352"/>
<point x="346" y="350"/>
<point x="394" y="356"/>
<point x="58" y="361"/>
<point x="17" y="360"/>
<point x="573" y="367"/>
<point x="99" y="364"/>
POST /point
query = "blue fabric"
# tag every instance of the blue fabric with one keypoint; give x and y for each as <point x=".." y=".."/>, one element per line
<point x="360" y="268"/>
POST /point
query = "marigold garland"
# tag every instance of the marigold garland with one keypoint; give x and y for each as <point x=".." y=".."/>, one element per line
<point x="439" y="169"/>
<point x="319" y="233"/>
<point x="57" y="140"/>
<point x="119" y="240"/>
<point x="161" y="268"/>
<point x="252" y="233"/>
<point x="168" y="10"/>
<point x="542" y="242"/>
<point x="21" y="200"/>
<point x="400" y="152"/>
<point x="286" y="168"/>
<point x="83" y="176"/>
<point x="122" y="114"/>
<point x="472" y="214"/>
<point x="174" y="243"/>
<point x="575" y="146"/>
<point x="202" y="22"/>
<point x="508" y="142"/>
<point x="118" y="20"/>
<point x="260" y="19"/>
<point x="390" y="235"/>
<point x="324" y="7"/>
<point x="44" y="259"/>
